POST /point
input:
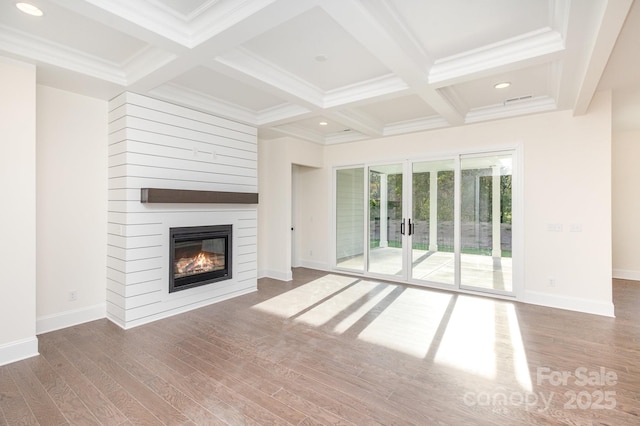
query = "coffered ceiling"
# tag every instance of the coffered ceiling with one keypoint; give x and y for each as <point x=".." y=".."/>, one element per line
<point x="366" y="68"/>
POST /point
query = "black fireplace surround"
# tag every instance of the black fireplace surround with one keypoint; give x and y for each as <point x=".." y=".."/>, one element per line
<point x="199" y="255"/>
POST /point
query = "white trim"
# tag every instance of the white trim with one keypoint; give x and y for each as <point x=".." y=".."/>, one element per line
<point x="277" y="275"/>
<point x="129" y="324"/>
<point x="311" y="264"/>
<point x="534" y="46"/>
<point x="570" y="303"/>
<point x="625" y="274"/>
<point x="47" y="323"/>
<point x="494" y="112"/>
<point x="18" y="350"/>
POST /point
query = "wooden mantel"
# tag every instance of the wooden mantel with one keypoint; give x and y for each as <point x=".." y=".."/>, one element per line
<point x="159" y="195"/>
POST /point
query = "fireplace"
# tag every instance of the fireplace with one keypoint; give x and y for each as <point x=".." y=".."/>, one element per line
<point x="199" y="255"/>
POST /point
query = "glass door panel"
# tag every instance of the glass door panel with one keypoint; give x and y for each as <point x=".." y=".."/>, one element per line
<point x="350" y="223"/>
<point x="432" y="230"/>
<point x="386" y="220"/>
<point x="485" y="223"/>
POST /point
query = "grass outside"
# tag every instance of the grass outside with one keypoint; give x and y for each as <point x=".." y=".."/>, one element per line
<point x="446" y="249"/>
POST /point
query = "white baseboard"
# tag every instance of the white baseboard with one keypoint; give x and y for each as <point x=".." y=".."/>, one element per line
<point x="18" y="350"/>
<point x="276" y="275"/>
<point x="66" y="319"/>
<point x="570" y="303"/>
<point x="320" y="266"/>
<point x="624" y="274"/>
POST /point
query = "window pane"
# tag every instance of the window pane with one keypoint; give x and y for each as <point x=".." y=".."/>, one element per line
<point x="350" y="211"/>
<point x="486" y="195"/>
<point x="433" y="222"/>
<point x="385" y="219"/>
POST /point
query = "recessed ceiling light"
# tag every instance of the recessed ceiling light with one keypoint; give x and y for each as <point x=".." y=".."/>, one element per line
<point x="502" y="85"/>
<point x="322" y="57"/>
<point x="323" y="123"/>
<point x="29" y="9"/>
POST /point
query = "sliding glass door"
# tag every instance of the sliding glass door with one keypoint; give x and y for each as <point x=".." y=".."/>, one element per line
<point x="486" y="222"/>
<point x="350" y="219"/>
<point x="433" y="226"/>
<point x="387" y="223"/>
<point x="445" y="223"/>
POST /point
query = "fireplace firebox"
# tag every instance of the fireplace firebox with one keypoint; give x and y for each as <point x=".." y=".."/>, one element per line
<point x="199" y="255"/>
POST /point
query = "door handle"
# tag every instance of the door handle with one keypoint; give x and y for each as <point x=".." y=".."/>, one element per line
<point x="402" y="227"/>
<point x="410" y="227"/>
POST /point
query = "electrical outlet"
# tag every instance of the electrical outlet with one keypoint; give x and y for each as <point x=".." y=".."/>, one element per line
<point x="552" y="282"/>
<point x="73" y="296"/>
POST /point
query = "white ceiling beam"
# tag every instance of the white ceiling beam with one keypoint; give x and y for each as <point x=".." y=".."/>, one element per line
<point x="37" y="49"/>
<point x="359" y="21"/>
<point x="248" y="64"/>
<point x="534" y="48"/>
<point x="357" y="121"/>
<point x="282" y="114"/>
<point x="612" y="21"/>
<point x="299" y="132"/>
<point x="602" y="21"/>
<point x="246" y="20"/>
<point x="184" y="96"/>
<point x="364" y="91"/>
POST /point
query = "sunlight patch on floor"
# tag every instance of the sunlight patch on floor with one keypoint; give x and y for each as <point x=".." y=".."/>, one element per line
<point x="409" y="324"/>
<point x="366" y="292"/>
<point x="458" y="331"/>
<point x="358" y="314"/>
<point x="469" y="341"/>
<point x="520" y="364"/>
<point x="291" y="303"/>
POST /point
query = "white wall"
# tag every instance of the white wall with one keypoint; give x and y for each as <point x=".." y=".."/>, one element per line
<point x="18" y="212"/>
<point x="567" y="180"/>
<point x="626" y="204"/>
<point x="274" y="211"/>
<point x="71" y="208"/>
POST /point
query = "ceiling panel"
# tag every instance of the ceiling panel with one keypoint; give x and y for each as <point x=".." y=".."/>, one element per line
<point x="446" y="28"/>
<point x="64" y="27"/>
<point x="313" y="124"/>
<point x="220" y="86"/>
<point x="316" y="49"/>
<point x="398" y="109"/>
<point x="534" y="81"/>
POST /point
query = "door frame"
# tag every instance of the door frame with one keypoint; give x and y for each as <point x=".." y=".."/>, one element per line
<point x="517" y="219"/>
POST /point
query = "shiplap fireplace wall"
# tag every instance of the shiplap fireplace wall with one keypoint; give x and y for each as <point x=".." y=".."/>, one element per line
<point x="155" y="144"/>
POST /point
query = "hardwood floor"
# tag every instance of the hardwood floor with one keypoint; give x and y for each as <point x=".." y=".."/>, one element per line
<point x="336" y="350"/>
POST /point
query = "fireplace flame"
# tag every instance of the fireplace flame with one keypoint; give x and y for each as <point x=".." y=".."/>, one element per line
<point x="201" y="263"/>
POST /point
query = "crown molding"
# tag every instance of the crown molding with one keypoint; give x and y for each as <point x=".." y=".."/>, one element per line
<point x="527" y="46"/>
<point x="344" y="137"/>
<point x="386" y="13"/>
<point x="253" y="65"/>
<point x="357" y="121"/>
<point x="148" y="16"/>
<point x="531" y="106"/>
<point x="373" y="88"/>
<point x="299" y="132"/>
<point x="145" y="62"/>
<point x="417" y="125"/>
<point x="222" y="17"/>
<point x="41" y="50"/>
<point x="193" y="99"/>
<point x="279" y="113"/>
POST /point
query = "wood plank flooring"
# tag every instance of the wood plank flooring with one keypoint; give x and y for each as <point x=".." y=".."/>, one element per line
<point x="327" y="349"/>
